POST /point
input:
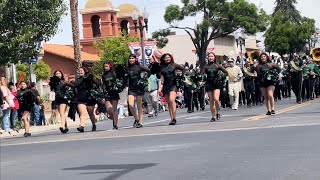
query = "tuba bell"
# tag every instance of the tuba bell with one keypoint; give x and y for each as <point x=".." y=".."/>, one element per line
<point x="254" y="55"/>
<point x="316" y="55"/>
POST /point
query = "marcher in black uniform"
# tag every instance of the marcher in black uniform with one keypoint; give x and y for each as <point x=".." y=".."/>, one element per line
<point x="305" y="91"/>
<point x="224" y="95"/>
<point x="296" y="76"/>
<point x="267" y="76"/>
<point x="201" y="89"/>
<point x="286" y="77"/>
<point x="258" y="93"/>
<point x="136" y="89"/>
<point x="187" y="89"/>
<point x="26" y="103"/>
<point x="213" y="84"/>
<point x="86" y="102"/>
<point x="248" y="81"/>
<point x="314" y="71"/>
<point x="112" y="96"/>
<point x="168" y="71"/>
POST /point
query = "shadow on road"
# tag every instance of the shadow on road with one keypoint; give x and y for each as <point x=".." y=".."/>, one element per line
<point x="116" y="170"/>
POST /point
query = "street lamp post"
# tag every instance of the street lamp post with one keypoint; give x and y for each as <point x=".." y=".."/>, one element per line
<point x="140" y="26"/>
<point x="240" y="42"/>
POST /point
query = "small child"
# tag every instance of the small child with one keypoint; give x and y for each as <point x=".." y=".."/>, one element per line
<point x="42" y="118"/>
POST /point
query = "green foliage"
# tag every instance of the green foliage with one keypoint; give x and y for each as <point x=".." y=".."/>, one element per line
<point x="161" y="37"/>
<point x="288" y="10"/>
<point x="41" y="70"/>
<point x="287" y="37"/>
<point x="220" y="18"/>
<point x="24" y="23"/>
<point x="114" y="50"/>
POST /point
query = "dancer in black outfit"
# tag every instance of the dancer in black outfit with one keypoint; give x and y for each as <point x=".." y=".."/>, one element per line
<point x="212" y="85"/>
<point x="135" y="89"/>
<point x="267" y="78"/>
<point x="168" y="72"/>
<point x="57" y="85"/>
<point x="86" y="102"/>
<point x="112" y="95"/>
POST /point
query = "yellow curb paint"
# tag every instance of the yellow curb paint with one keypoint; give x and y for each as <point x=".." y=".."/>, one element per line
<point x="258" y="117"/>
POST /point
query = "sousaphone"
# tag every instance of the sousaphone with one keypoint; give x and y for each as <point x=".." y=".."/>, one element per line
<point x="316" y="55"/>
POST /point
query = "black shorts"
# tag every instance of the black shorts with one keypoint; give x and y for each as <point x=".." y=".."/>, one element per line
<point x="212" y="87"/>
<point x="23" y="108"/>
<point x="88" y="102"/>
<point x="135" y="92"/>
<point x="112" y="96"/>
<point x="167" y="90"/>
<point x="267" y="83"/>
<point x="54" y="105"/>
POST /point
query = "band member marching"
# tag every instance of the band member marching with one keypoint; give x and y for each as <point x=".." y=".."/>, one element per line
<point x="267" y="74"/>
<point x="136" y="88"/>
<point x="235" y="75"/>
<point x="58" y="85"/>
<point x="213" y="84"/>
<point x="295" y="67"/>
<point x="286" y="77"/>
<point x="168" y="72"/>
<point x="248" y="81"/>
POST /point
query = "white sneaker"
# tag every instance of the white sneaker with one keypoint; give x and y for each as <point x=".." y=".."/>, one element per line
<point x="1" y="131"/>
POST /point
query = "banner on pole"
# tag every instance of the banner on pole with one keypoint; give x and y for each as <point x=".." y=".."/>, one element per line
<point x="149" y="48"/>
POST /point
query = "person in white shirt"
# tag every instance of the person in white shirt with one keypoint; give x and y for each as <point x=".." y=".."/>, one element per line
<point x="235" y="76"/>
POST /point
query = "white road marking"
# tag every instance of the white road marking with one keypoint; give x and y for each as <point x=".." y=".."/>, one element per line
<point x="166" y="133"/>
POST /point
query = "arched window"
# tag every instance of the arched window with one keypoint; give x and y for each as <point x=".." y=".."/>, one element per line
<point x="124" y="26"/>
<point x="96" y="26"/>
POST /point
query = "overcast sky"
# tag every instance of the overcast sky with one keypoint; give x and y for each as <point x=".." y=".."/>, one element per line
<point x="156" y="8"/>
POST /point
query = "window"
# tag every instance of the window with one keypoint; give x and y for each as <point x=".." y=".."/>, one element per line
<point x="96" y="26"/>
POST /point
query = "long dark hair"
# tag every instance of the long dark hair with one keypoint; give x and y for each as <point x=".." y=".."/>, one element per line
<point x="162" y="61"/>
<point x="136" y="62"/>
<point x="268" y="58"/>
<point x="111" y="69"/>
<point x="62" y="75"/>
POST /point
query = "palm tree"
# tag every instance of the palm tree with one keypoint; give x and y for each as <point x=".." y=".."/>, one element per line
<point x="75" y="33"/>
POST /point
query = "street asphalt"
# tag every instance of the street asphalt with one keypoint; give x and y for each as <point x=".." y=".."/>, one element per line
<point x="244" y="144"/>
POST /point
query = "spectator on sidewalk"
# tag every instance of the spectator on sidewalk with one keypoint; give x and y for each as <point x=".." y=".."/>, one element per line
<point x="42" y="118"/>
<point x="14" y="110"/>
<point x="7" y="104"/>
<point x="35" y="112"/>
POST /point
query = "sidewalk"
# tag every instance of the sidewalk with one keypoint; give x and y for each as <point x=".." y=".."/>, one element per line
<point x="46" y="128"/>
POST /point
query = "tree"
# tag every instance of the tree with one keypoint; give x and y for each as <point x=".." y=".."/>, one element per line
<point x="114" y="50"/>
<point x="41" y="70"/>
<point x="161" y="37"/>
<point x="288" y="32"/>
<point x="219" y="18"/>
<point x="75" y="33"/>
<point x="288" y="10"/>
<point x="24" y="23"/>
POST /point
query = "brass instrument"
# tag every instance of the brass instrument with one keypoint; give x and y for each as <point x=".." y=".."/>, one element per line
<point x="316" y="55"/>
<point x="254" y="55"/>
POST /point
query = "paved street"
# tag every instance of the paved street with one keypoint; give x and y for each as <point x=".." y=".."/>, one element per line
<point x="244" y="144"/>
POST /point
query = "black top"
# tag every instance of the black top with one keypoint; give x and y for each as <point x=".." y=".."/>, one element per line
<point x="211" y="70"/>
<point x="37" y="95"/>
<point x="108" y="79"/>
<point x="83" y="86"/>
<point x="264" y="68"/>
<point x="168" y="71"/>
<point x="134" y="75"/>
